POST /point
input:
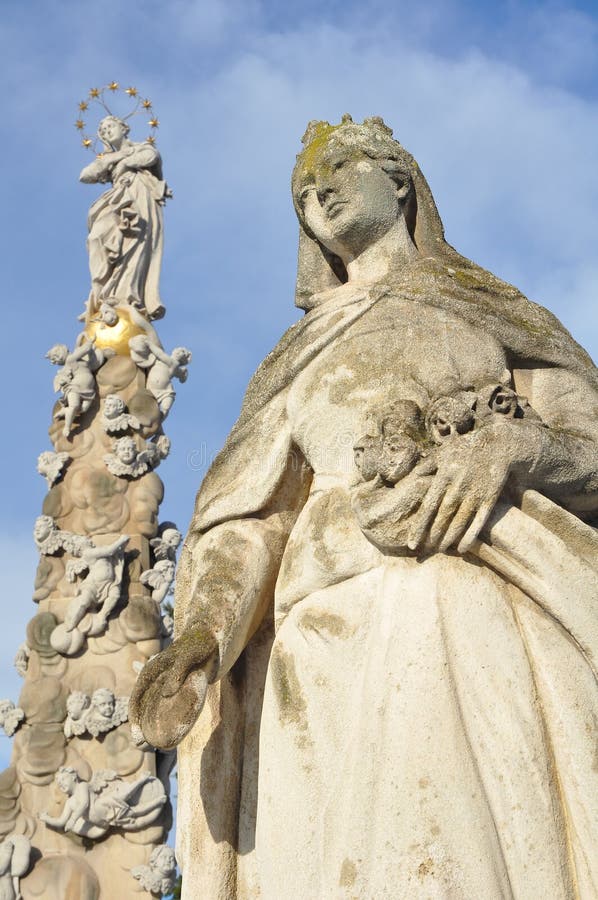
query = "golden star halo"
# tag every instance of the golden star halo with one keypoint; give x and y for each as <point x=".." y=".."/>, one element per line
<point x="97" y="94"/>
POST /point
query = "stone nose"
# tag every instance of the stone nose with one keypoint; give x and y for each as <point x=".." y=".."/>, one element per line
<point x="324" y="192"/>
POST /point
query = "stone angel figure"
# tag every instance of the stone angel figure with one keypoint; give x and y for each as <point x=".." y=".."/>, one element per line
<point x="11" y="717"/>
<point x="159" y="579"/>
<point x="51" y="539"/>
<point x="76" y="379"/>
<point x="51" y="464"/>
<point x="98" y="594"/>
<point x="166" y="544"/>
<point x="161" y="368"/>
<point x="127" y="460"/>
<point x="158" y="877"/>
<point x="15" y="856"/>
<point x="106" y="802"/>
<point x="126" y="222"/>
<point x="105" y="712"/>
<point x="115" y="418"/>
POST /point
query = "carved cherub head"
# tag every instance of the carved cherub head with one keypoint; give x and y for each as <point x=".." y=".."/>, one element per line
<point x="181" y="355"/>
<point x="395" y="446"/>
<point x="402" y="428"/>
<point x="103" y="701"/>
<point x="6" y="706"/>
<point x="125" y="449"/>
<point x="450" y="416"/>
<point x="163" y="859"/>
<point x="114" y="406"/>
<point x="58" y="354"/>
<point x="107" y="314"/>
<point x="67" y="779"/>
<point x="43" y="528"/>
<point x="77" y="703"/>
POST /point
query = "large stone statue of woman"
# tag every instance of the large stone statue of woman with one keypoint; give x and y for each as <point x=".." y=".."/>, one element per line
<point x="387" y="597"/>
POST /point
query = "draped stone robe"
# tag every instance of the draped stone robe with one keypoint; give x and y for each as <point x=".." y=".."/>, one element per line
<point x="387" y="726"/>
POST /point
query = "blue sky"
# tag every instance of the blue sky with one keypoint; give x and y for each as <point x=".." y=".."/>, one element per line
<point x="497" y="102"/>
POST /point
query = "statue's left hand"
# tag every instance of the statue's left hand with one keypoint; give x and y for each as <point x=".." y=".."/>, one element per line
<point x="171" y="690"/>
<point x="472" y="472"/>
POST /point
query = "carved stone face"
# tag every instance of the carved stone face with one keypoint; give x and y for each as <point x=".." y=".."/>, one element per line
<point x="366" y="454"/>
<point x="126" y="451"/>
<point x="398" y="456"/>
<point x="76" y="704"/>
<point x="113" y="406"/>
<point x="105" y="706"/>
<point x="347" y="200"/>
<point x="164" y="859"/>
<point x="42" y="528"/>
<point x="112" y="131"/>
<point x="66" y="781"/>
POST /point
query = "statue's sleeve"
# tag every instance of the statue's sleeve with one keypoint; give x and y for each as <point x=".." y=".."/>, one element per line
<point x="227" y="573"/>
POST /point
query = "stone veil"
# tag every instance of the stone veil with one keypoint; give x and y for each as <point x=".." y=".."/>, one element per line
<point x="399" y="671"/>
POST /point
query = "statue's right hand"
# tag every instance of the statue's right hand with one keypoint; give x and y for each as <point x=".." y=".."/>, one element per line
<point x="171" y="690"/>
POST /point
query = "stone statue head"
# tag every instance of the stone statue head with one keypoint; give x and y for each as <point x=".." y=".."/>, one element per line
<point x="6" y="706"/>
<point x="67" y="779"/>
<point x="43" y="528"/>
<point x="181" y="355"/>
<point x="114" y="406"/>
<point x="112" y="131"/>
<point x="354" y="158"/>
<point x="361" y="180"/>
<point x="450" y="416"/>
<point x="108" y="314"/>
<point x="172" y="537"/>
<point x="76" y="704"/>
<point x="58" y="354"/>
<point x="163" y="858"/>
<point x="103" y="701"/>
<point x="126" y="450"/>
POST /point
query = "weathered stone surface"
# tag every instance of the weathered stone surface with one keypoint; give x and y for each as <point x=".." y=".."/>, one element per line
<point x="388" y="583"/>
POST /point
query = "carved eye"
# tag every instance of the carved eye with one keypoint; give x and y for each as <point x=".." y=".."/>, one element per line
<point x="304" y="194"/>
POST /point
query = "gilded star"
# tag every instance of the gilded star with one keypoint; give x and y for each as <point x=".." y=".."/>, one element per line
<point x="113" y="86"/>
<point x="80" y="124"/>
<point x="147" y="104"/>
<point x="94" y="93"/>
<point x="86" y="142"/>
<point x="153" y="122"/>
<point x="83" y="105"/>
<point x="131" y="91"/>
<point x="151" y="139"/>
